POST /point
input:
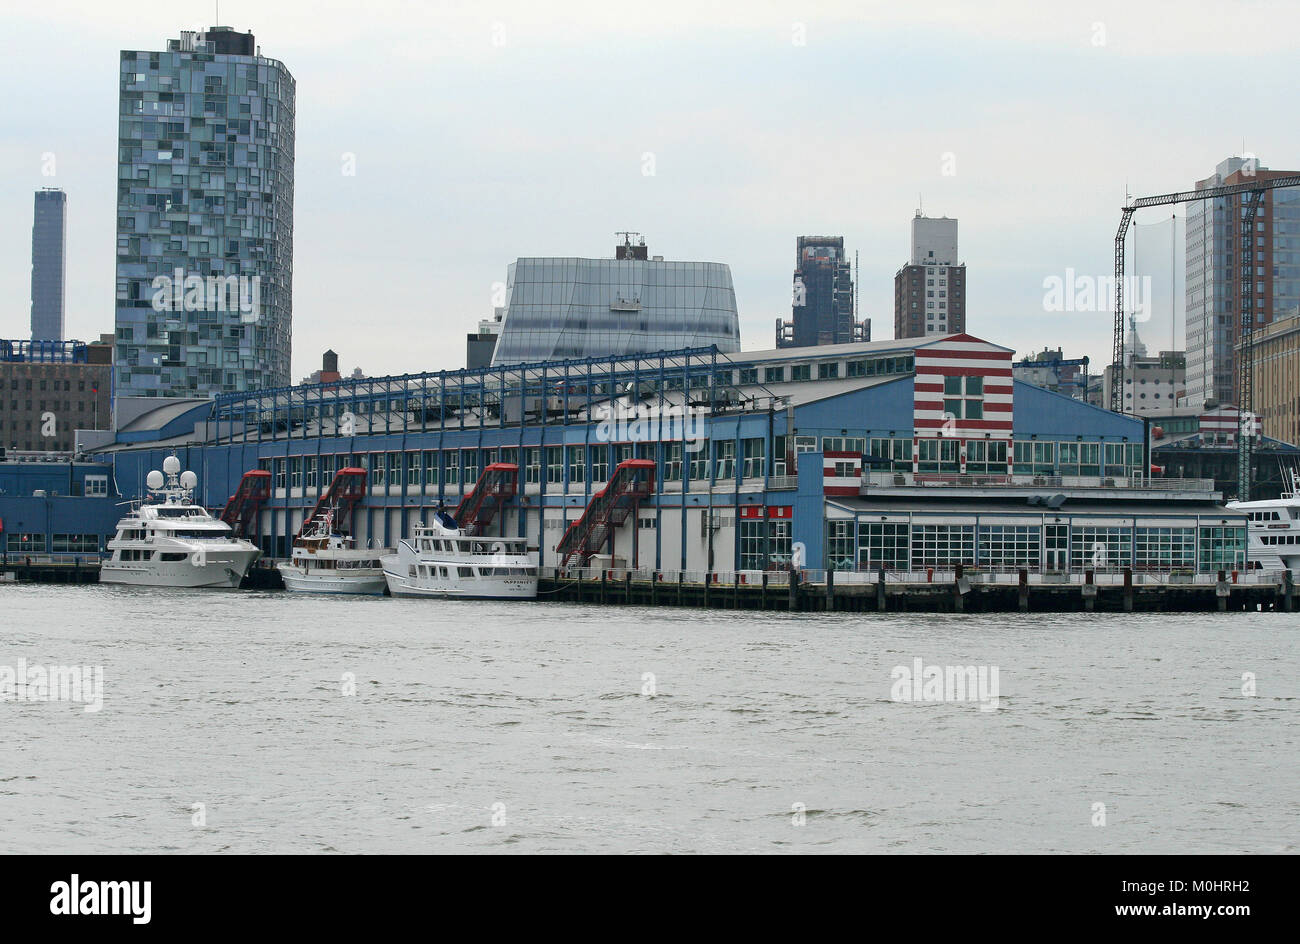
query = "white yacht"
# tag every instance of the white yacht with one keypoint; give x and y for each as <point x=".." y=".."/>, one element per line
<point x="326" y="562"/>
<point x="440" y="560"/>
<point x="1273" y="541"/>
<point x="168" y="541"/>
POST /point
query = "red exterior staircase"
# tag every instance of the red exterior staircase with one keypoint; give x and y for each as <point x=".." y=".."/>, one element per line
<point x="633" y="480"/>
<point x="242" y="508"/>
<point x="343" y="495"/>
<point x="495" y="486"/>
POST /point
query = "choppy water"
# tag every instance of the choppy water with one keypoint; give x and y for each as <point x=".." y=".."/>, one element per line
<point x="235" y="701"/>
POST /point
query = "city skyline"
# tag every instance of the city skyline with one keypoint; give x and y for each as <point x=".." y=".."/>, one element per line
<point x="419" y="233"/>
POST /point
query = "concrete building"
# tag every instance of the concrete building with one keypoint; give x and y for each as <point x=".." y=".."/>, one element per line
<point x="204" y="218"/>
<point x="51" y="389"/>
<point x="480" y="347"/>
<point x="1215" y="268"/>
<point x="560" y="308"/>
<point x="49" y="264"/>
<point x="930" y="291"/>
<point x="824" y="303"/>
<point x="1052" y="370"/>
<point x="1151" y="384"/>
<point x="1277" y="378"/>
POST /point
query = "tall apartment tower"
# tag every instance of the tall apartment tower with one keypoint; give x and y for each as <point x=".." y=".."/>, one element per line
<point x="49" y="264"/>
<point x="1215" y="269"/>
<point x="930" y="291"/>
<point x="822" y="311"/>
<point x="204" y="218"/>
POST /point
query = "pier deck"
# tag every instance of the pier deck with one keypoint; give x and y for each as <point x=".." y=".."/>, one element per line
<point x="952" y="591"/>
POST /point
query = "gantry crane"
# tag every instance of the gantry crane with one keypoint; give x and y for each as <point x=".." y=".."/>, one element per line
<point x="1246" y="312"/>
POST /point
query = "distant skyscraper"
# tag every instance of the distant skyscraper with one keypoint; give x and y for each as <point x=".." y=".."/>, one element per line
<point x="49" y="264"/>
<point x="559" y="308"/>
<point x="822" y="311"/>
<point x="1214" y="274"/>
<point x="930" y="291"/>
<point x="204" y="218"/>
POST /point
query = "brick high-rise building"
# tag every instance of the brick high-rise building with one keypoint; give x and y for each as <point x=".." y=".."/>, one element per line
<point x="930" y="291"/>
<point x="1214" y="273"/>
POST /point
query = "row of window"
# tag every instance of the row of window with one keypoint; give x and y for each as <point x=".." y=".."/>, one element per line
<point x="904" y="546"/>
<point x="34" y="543"/>
<point x="556" y="465"/>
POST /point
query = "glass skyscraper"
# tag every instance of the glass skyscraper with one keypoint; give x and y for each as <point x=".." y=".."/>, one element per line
<point x="49" y="264"/>
<point x="565" y="307"/>
<point x="204" y="218"/>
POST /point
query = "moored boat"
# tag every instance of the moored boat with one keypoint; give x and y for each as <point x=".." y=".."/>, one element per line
<point x="440" y="560"/>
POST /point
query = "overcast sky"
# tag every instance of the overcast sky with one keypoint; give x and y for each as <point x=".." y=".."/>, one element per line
<point x="487" y="131"/>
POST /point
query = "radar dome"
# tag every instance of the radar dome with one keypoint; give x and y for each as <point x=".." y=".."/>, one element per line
<point x="154" y="479"/>
<point x="189" y="480"/>
<point x="171" y="465"/>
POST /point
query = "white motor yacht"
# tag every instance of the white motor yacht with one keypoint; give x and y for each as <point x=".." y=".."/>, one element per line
<point x="169" y="541"/>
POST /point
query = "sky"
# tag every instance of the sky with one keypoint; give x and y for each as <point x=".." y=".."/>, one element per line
<point x="481" y="132"/>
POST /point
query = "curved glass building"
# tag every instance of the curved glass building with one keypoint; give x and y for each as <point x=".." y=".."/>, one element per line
<point x="566" y="307"/>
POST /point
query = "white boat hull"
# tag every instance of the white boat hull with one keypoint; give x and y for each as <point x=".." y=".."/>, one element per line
<point x="477" y="588"/>
<point x="371" y="583"/>
<point x="220" y="570"/>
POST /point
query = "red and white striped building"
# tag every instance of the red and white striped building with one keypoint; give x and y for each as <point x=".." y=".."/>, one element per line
<point x="964" y="391"/>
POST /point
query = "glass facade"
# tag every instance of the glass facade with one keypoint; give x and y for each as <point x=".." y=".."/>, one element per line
<point x="561" y="308"/>
<point x="204" y="218"/>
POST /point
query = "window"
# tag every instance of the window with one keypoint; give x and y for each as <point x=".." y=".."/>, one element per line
<point x="1100" y="548"/>
<point x="1164" y="549"/>
<point x="839" y="545"/>
<point x="828" y="371"/>
<point x="754" y="458"/>
<point x="753" y="538"/>
<point x="725" y="456"/>
<point x="96" y="485"/>
<point x="75" y="544"/>
<point x="800" y="372"/>
<point x="1221" y="548"/>
<point x="672" y="462"/>
<point x="554" y="465"/>
<point x="883" y="544"/>
<point x="780" y="536"/>
<point x="25" y="542"/>
<point x="577" y="464"/>
<point x="942" y="545"/>
<point x="600" y="463"/>
<point x="963" y="397"/>
<point x="699" y="470"/>
<point x="1010" y="546"/>
<point x="773" y="374"/>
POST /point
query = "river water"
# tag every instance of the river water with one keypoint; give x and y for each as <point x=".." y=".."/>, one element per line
<point x="277" y="722"/>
